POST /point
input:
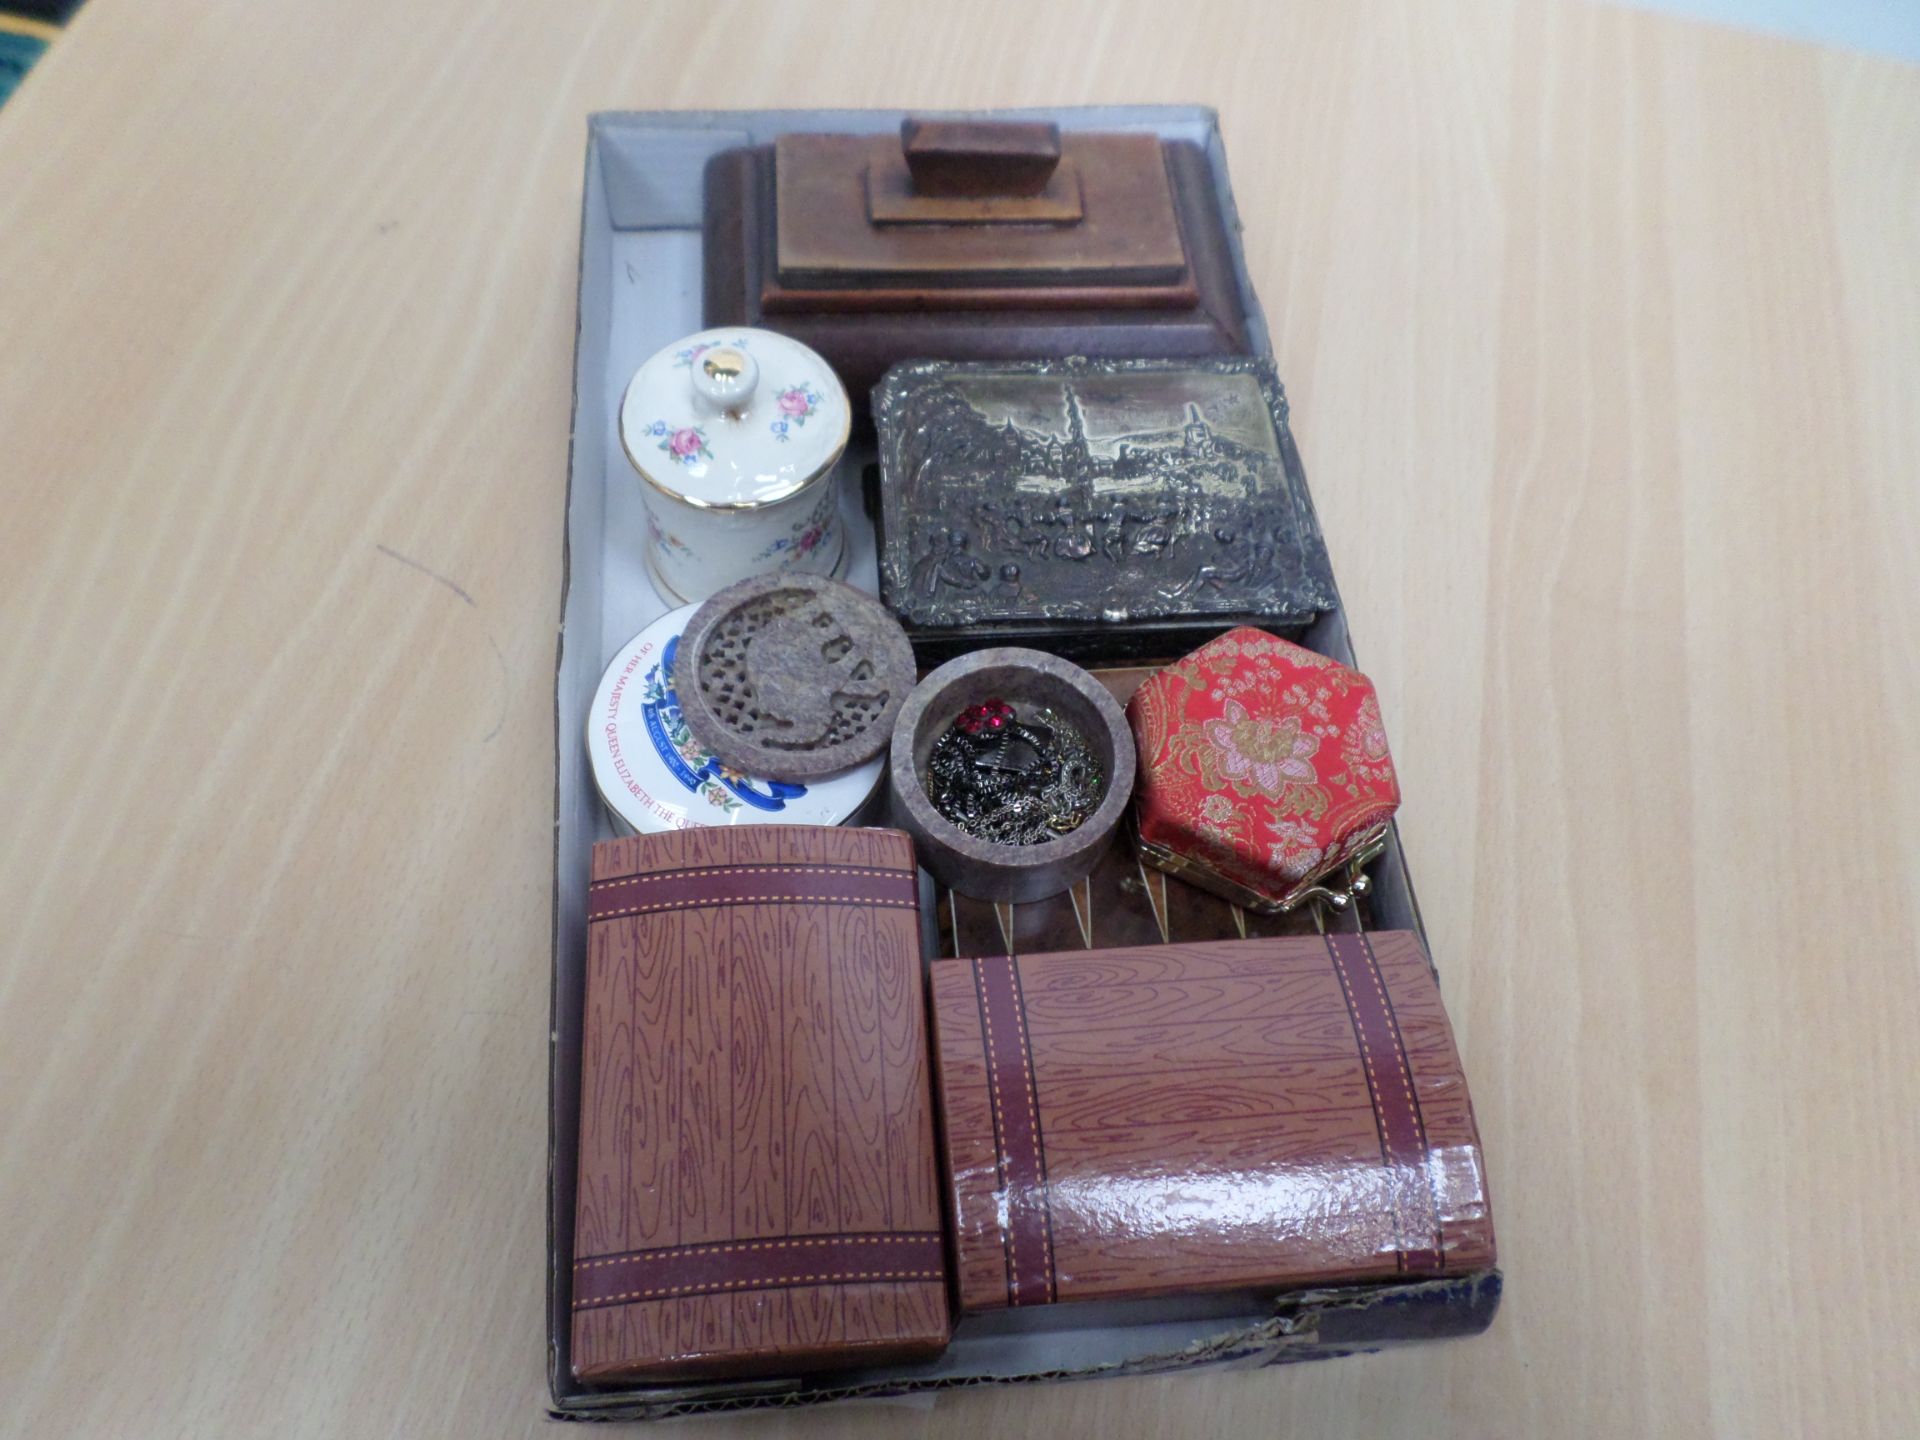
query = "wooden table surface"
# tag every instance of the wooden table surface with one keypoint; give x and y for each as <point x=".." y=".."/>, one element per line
<point x="1603" y="338"/>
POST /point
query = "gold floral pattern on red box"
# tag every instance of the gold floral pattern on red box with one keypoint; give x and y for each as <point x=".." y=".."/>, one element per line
<point x="1262" y="763"/>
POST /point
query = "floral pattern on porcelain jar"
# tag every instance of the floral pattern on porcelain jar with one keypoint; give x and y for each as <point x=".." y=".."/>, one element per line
<point x="683" y="359"/>
<point x="667" y="542"/>
<point x="687" y="444"/>
<point x="807" y="535"/>
<point x="795" y="403"/>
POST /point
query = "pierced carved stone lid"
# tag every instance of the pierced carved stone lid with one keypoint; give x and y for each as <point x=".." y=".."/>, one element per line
<point x="793" y="676"/>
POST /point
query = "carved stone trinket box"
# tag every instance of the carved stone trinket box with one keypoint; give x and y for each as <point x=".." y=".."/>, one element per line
<point x="795" y="676"/>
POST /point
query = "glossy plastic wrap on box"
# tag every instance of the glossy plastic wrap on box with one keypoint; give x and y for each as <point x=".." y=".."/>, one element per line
<point x="1263" y="768"/>
<point x="1175" y="1119"/>
<point x="756" y="1175"/>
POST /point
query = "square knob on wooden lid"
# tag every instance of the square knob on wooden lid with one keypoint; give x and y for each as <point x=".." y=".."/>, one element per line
<point x="986" y="214"/>
<point x="980" y="157"/>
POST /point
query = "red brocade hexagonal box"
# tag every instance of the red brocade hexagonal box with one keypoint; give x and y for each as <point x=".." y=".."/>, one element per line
<point x="1263" y="770"/>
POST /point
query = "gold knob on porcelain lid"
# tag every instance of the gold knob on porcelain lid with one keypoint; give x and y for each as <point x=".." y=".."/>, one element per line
<point x="724" y="379"/>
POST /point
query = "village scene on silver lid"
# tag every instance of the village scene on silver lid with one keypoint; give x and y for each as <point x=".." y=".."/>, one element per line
<point x="1042" y="496"/>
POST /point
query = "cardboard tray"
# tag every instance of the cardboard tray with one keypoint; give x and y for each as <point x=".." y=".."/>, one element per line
<point x="640" y="287"/>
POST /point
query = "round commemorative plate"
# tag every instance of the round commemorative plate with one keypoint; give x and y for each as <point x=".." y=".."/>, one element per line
<point x="655" y="776"/>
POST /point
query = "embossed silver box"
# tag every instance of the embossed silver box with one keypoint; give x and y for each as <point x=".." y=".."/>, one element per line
<point x="1110" y="505"/>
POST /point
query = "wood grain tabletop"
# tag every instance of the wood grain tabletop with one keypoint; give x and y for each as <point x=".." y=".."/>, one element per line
<point x="1602" y="333"/>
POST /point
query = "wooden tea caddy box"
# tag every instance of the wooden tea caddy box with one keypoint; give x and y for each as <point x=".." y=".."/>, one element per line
<point x="973" y="239"/>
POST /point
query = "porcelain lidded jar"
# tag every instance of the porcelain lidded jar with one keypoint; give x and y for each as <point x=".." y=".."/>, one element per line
<point x="736" y="435"/>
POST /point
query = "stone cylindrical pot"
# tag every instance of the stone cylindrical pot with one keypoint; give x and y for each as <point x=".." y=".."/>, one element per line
<point x="1025" y="679"/>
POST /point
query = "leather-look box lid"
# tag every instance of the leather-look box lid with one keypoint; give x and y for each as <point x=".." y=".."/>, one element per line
<point x="1236" y="1115"/>
<point x="757" y="1188"/>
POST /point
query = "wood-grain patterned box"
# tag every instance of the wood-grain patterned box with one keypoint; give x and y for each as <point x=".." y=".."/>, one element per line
<point x="756" y="1175"/>
<point x="1176" y="1119"/>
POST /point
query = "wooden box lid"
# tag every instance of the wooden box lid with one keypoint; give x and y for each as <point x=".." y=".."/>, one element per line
<point x="975" y="240"/>
<point x="867" y="217"/>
